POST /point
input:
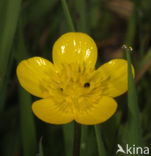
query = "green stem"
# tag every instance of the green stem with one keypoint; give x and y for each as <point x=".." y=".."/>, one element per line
<point x="77" y="139"/>
<point x="100" y="145"/>
<point x="67" y="14"/>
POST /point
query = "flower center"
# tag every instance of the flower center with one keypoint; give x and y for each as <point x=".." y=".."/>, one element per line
<point x="74" y="81"/>
<point x="77" y="87"/>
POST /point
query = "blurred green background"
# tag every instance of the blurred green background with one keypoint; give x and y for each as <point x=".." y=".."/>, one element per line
<point x="29" y="28"/>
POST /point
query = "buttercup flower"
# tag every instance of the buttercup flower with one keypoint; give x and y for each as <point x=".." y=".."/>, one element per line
<point x="70" y="87"/>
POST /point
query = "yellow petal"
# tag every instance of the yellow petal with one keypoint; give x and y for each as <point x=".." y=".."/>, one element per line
<point x="98" y="113"/>
<point x="49" y="111"/>
<point x="75" y="48"/>
<point x="34" y="75"/>
<point x="115" y="77"/>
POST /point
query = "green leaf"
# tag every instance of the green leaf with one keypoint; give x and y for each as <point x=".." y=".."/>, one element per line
<point x="88" y="141"/>
<point x="68" y="131"/>
<point x="134" y="128"/>
<point x="5" y="85"/>
<point x="100" y="144"/>
<point x="28" y="132"/>
<point x="9" y="12"/>
<point x="134" y="125"/>
<point x="27" y="125"/>
<point x="67" y="15"/>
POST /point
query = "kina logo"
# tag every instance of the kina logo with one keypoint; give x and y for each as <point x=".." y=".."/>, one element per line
<point x="132" y="150"/>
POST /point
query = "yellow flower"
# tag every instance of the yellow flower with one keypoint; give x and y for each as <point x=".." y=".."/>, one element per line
<point x="70" y="87"/>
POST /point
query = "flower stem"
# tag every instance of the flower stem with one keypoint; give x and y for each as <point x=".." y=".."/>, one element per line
<point x="67" y="14"/>
<point x="100" y="145"/>
<point x="77" y="139"/>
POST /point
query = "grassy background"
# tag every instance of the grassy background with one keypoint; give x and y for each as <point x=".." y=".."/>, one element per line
<point x="29" y="28"/>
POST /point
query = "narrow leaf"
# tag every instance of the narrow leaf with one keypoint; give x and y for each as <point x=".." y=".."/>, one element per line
<point x="9" y="15"/>
<point x="134" y="130"/>
<point x="68" y="131"/>
<point x="28" y="133"/>
<point x="27" y="125"/>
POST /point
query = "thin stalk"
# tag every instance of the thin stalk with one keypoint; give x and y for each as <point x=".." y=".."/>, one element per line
<point x="100" y="145"/>
<point x="77" y="139"/>
<point x="67" y="14"/>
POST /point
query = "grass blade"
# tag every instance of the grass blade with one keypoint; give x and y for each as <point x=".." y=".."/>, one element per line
<point x="28" y="134"/>
<point x="134" y="130"/>
<point x="5" y="84"/>
<point x="27" y="126"/>
<point x="68" y="138"/>
<point x="134" y="127"/>
<point x="9" y="15"/>
<point x="100" y="145"/>
<point x="67" y="14"/>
